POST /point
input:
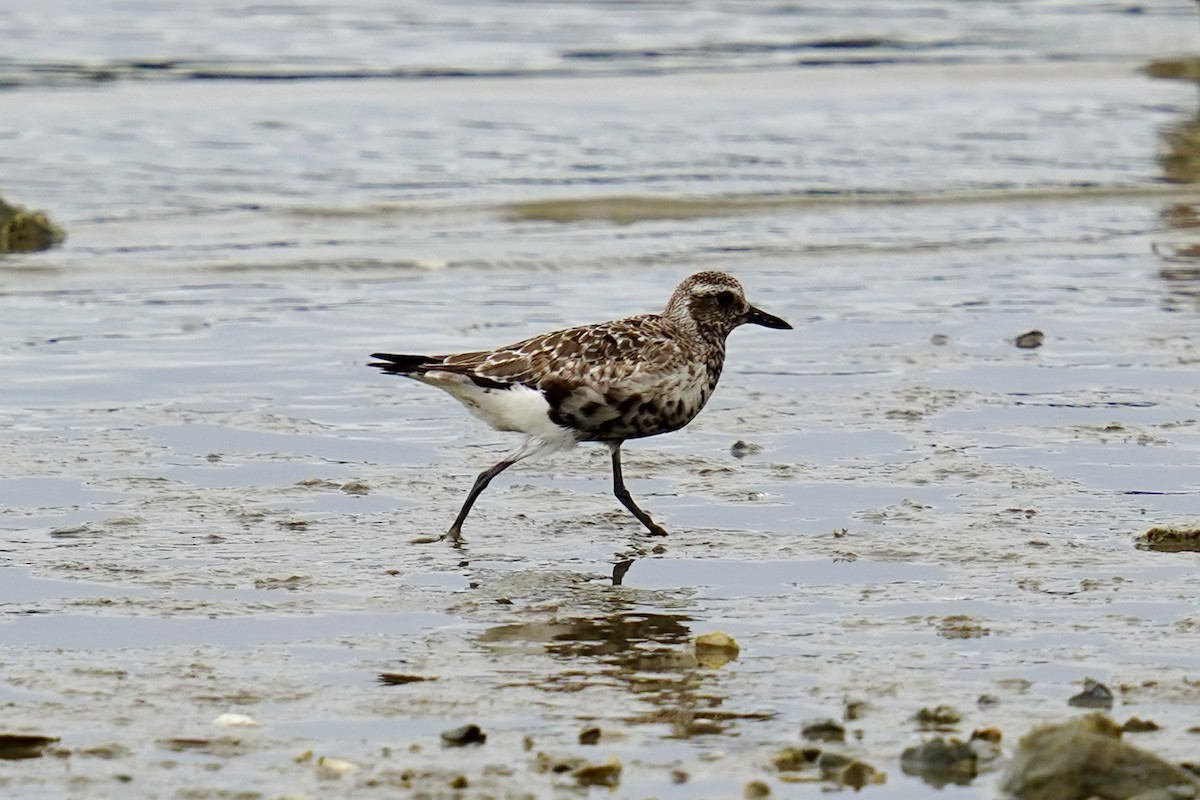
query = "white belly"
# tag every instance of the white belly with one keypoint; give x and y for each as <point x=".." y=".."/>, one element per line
<point x="518" y="409"/>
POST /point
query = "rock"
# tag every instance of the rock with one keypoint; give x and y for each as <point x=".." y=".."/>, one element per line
<point x="845" y="771"/>
<point x="826" y="730"/>
<point x="589" y="735"/>
<point x="853" y="709"/>
<point x="1135" y="725"/>
<point x="939" y="762"/>
<point x="755" y="790"/>
<point x="1029" y="340"/>
<point x="335" y="767"/>
<point x="558" y="764"/>
<point x="938" y="719"/>
<point x="794" y="759"/>
<point x="231" y="720"/>
<point x="464" y="735"/>
<point x="1170" y="540"/>
<point x="14" y="746"/>
<point x="1178" y="792"/>
<point x="401" y="678"/>
<point x="741" y="449"/>
<point x="23" y="231"/>
<point x="986" y="744"/>
<point x="1094" y="695"/>
<point x="961" y="626"/>
<point x="608" y="774"/>
<point x="714" y="650"/>
<point x="1085" y="758"/>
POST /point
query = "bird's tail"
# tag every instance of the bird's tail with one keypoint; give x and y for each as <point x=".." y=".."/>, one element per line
<point x="394" y="364"/>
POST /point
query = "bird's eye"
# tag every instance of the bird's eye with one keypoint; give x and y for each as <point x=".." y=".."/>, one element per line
<point x="725" y="299"/>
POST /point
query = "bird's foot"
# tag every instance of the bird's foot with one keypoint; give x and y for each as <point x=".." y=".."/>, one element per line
<point x="454" y="535"/>
<point x="655" y="529"/>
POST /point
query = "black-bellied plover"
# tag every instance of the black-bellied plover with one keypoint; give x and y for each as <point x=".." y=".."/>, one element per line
<point x="609" y="382"/>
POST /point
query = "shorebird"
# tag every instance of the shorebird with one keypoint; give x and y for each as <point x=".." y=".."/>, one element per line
<point x="609" y="382"/>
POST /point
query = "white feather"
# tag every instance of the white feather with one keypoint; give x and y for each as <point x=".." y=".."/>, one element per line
<point x="518" y="409"/>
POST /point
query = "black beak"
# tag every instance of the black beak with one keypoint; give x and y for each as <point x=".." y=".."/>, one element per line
<point x="757" y="316"/>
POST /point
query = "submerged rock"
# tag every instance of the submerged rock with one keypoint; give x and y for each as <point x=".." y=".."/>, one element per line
<point x="1085" y="758"/>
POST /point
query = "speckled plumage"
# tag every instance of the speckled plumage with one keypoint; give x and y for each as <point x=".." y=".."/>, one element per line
<point x="608" y="382"/>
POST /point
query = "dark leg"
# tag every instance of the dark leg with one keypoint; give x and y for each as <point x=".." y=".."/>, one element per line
<point x="481" y="483"/>
<point x="623" y="494"/>
<point x="619" y="570"/>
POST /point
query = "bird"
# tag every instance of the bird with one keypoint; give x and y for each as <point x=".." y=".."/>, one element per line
<point x="609" y="382"/>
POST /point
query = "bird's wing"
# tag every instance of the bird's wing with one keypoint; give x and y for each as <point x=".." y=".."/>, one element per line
<point x="591" y="376"/>
<point x="602" y="354"/>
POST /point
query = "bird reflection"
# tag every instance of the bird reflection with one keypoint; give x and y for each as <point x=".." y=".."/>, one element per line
<point x="650" y="654"/>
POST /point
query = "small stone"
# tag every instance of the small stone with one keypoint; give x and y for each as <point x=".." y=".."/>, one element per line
<point x="755" y="790"/>
<point x="464" y="735"/>
<point x="939" y="339"/>
<point x="459" y="782"/>
<point x="986" y="744"/>
<point x="19" y="745"/>
<point x="355" y="488"/>
<point x="335" y="767"/>
<point x="826" y="730"/>
<point x="589" y="735"/>
<point x="1135" y="725"/>
<point x="1030" y="340"/>
<point x="939" y="718"/>
<point x="230" y="720"/>
<point x="558" y="764"/>
<point x="608" y="774"/>
<point x="853" y="709"/>
<point x="401" y="678"/>
<point x="794" y="759"/>
<point x="714" y="650"/>
<point x="1094" y="695"/>
<point x="857" y="775"/>
<point x="987" y="700"/>
<point x="741" y="449"/>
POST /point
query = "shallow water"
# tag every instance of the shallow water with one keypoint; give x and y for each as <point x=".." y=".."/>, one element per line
<point x="207" y="500"/>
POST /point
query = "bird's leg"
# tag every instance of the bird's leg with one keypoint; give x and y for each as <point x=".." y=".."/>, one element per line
<point x="623" y="495"/>
<point x="481" y="482"/>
